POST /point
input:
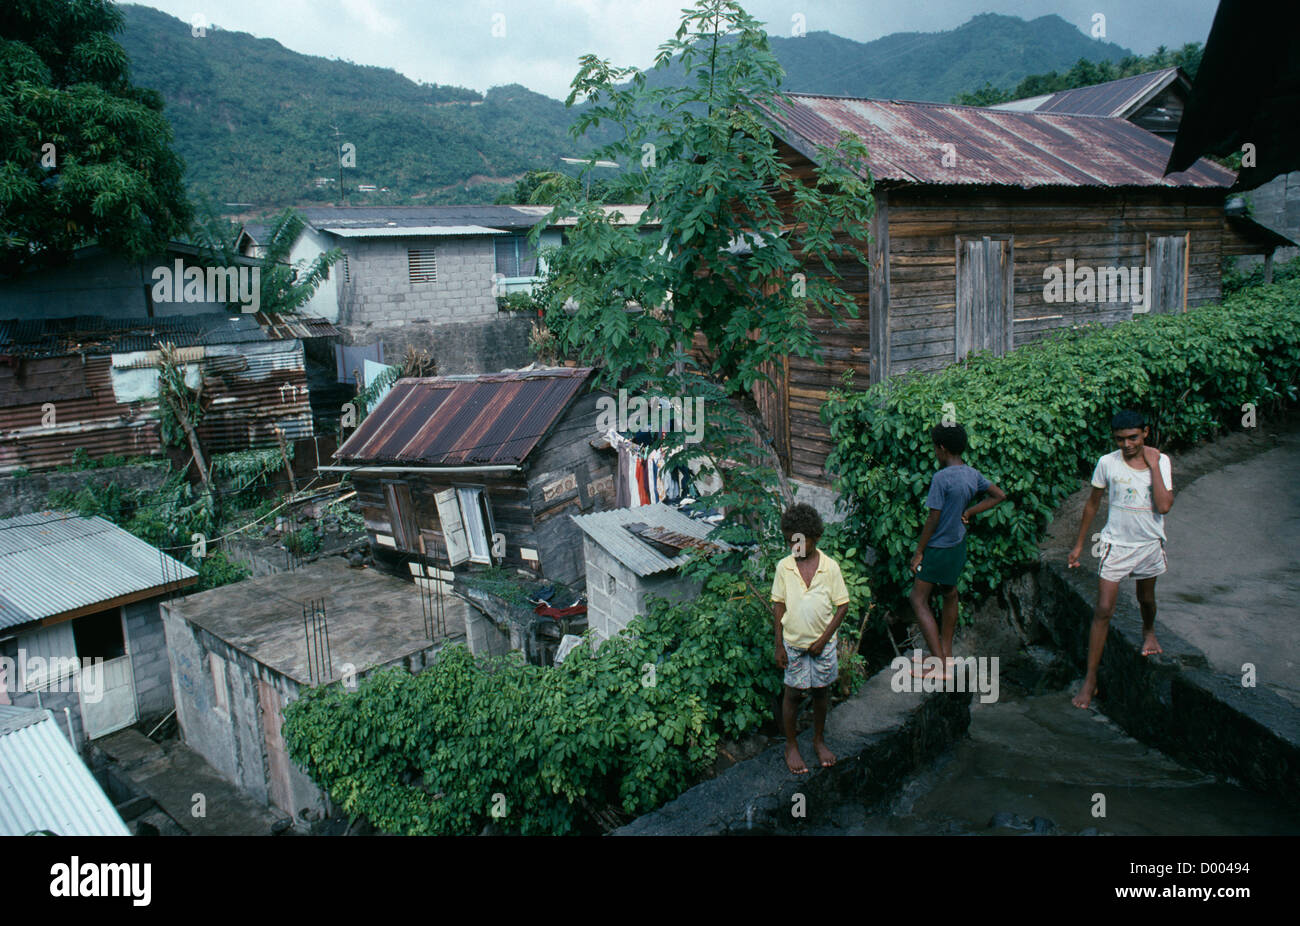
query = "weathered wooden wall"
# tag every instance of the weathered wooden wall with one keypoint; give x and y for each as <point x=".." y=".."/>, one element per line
<point x="1091" y="226"/>
<point x="910" y="292"/>
<point x="563" y="476"/>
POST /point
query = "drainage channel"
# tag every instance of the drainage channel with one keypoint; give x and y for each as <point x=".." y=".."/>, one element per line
<point x="1032" y="763"/>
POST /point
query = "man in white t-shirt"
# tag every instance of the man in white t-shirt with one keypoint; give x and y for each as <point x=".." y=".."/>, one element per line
<point x="1139" y="484"/>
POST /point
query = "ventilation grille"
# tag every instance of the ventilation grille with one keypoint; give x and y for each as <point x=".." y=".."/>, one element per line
<point x="421" y="265"/>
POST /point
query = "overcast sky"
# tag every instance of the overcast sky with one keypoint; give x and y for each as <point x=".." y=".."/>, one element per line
<point x="460" y="42"/>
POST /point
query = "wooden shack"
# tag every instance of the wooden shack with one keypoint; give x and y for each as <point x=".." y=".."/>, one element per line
<point x="477" y="470"/>
<point x="976" y="210"/>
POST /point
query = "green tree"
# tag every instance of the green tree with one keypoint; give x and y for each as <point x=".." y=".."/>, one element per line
<point x="713" y="252"/>
<point x="285" y="287"/>
<point x="84" y="155"/>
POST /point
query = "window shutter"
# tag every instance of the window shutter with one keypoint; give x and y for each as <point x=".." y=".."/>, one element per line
<point x="421" y="265"/>
<point x="453" y="529"/>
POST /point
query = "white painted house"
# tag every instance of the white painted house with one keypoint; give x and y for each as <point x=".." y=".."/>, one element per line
<point x="80" y="630"/>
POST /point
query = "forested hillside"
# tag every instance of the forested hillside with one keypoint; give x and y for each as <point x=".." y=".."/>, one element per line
<point x="255" y="122"/>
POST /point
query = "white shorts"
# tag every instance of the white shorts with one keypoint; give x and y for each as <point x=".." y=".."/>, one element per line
<point x="1144" y="562"/>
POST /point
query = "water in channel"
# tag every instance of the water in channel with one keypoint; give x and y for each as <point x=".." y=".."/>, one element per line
<point x="1032" y="763"/>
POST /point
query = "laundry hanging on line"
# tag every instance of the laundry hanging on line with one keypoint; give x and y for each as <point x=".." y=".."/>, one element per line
<point x="645" y="476"/>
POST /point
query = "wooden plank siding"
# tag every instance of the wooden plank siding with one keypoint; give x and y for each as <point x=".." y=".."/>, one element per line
<point x="564" y="475"/>
<point x="908" y="302"/>
<point x="800" y="439"/>
<point x="1094" y="227"/>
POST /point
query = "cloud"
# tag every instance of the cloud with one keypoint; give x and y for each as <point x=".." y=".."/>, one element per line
<point x="367" y="14"/>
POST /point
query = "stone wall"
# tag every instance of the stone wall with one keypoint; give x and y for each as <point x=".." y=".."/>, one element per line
<point x="1176" y="703"/>
<point x="25" y="494"/>
<point x="879" y="737"/>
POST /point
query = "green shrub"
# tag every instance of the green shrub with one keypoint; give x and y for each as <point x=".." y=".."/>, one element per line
<point x="629" y="726"/>
<point x="1038" y="419"/>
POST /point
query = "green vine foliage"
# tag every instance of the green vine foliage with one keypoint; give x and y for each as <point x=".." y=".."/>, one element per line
<point x="1039" y="417"/>
<point x="628" y="726"/>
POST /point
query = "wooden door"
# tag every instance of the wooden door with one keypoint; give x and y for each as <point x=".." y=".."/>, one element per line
<point x="1167" y="256"/>
<point x="985" y="295"/>
<point x="277" y="757"/>
<point x="106" y="683"/>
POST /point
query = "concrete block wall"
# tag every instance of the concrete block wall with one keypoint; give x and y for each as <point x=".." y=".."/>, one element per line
<point x="147" y="643"/>
<point x="483" y="636"/>
<point x="51" y="700"/>
<point x="380" y="292"/>
<point x="609" y="610"/>
<point x="482" y="345"/>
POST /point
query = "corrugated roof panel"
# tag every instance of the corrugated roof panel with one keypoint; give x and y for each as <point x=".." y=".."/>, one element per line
<point x="493" y="419"/>
<point x="53" y="562"/>
<point x="1114" y="98"/>
<point x="606" y="528"/>
<point x="44" y="785"/>
<point x="907" y="140"/>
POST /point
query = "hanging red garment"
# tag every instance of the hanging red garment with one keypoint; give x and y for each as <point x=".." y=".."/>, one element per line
<point x="641" y="483"/>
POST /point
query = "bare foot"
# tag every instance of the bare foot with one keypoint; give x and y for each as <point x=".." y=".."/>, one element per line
<point x="1084" y="698"/>
<point x="939" y="671"/>
<point x="826" y="757"/>
<point x="929" y="666"/>
<point x="1150" y="645"/>
<point x="794" y="761"/>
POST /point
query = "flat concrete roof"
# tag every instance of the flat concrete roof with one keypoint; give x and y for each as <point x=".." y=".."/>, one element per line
<point x="374" y="618"/>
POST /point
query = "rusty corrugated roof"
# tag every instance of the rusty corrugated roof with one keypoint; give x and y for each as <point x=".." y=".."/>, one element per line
<point x="492" y="419"/>
<point x="1118" y="98"/>
<point x="993" y="147"/>
<point x="97" y="335"/>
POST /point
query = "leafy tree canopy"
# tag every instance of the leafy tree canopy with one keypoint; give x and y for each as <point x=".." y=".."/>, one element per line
<point x="284" y="287"/>
<point x="712" y="253"/>
<point x="84" y="155"/>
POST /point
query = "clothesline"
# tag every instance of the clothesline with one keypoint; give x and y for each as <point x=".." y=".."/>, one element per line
<point x="644" y="476"/>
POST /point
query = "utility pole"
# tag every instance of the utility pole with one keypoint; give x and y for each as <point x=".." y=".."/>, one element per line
<point x="338" y="146"/>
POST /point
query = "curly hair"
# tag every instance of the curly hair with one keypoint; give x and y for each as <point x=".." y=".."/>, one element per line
<point x="1126" y="419"/>
<point x="802" y="518"/>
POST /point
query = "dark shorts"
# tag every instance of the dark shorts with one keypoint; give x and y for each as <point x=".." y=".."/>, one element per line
<point x="943" y="565"/>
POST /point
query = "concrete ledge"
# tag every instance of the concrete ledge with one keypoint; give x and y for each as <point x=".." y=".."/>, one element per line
<point x="1173" y="702"/>
<point x="879" y="737"/>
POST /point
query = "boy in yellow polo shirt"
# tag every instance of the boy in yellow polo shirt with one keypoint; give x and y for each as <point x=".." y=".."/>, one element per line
<point x="809" y="602"/>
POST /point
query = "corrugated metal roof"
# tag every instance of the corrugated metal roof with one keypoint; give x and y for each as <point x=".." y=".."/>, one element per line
<point x="253" y="389"/>
<point x="1117" y="98"/>
<point x="44" y="785"/>
<point x="53" y="562"/>
<point x="493" y="419"/>
<point x="993" y="147"/>
<point x="415" y="231"/>
<point x="423" y="219"/>
<point x="606" y="528"/>
<point x="96" y="335"/>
